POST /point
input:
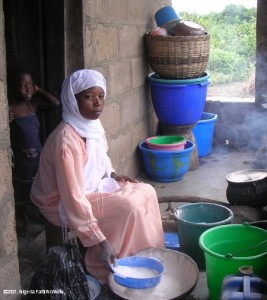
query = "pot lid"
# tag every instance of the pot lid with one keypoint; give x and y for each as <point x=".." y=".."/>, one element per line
<point x="247" y="175"/>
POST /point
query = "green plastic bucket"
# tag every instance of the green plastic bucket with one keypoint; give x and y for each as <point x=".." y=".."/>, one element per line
<point x="195" y="218"/>
<point x="228" y="247"/>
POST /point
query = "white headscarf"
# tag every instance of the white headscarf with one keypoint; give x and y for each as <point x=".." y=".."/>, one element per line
<point x="74" y="84"/>
<point x="98" y="164"/>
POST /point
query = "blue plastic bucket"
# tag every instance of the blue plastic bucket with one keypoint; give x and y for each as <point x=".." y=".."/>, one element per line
<point x="204" y="132"/>
<point x="179" y="104"/>
<point x="166" y="166"/>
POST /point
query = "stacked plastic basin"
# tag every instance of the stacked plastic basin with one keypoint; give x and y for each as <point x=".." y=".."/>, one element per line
<point x="178" y="101"/>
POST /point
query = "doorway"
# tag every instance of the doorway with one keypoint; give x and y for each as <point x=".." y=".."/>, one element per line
<point x="34" y="36"/>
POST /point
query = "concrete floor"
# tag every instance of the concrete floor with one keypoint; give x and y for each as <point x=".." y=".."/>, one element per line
<point x="208" y="181"/>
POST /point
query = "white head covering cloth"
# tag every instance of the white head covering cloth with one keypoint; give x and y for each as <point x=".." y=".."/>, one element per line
<point x="74" y="84"/>
<point x="98" y="164"/>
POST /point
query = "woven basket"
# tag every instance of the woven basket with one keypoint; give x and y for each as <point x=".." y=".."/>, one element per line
<point x="178" y="56"/>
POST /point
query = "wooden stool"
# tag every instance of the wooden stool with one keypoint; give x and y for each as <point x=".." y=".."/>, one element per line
<point x="54" y="237"/>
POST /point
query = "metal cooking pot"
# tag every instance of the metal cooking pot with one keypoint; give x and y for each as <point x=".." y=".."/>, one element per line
<point x="247" y="187"/>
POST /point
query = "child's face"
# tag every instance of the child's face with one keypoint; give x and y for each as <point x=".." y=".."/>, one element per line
<point x="91" y="102"/>
<point x="26" y="87"/>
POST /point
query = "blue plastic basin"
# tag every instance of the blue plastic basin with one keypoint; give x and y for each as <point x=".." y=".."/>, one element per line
<point x="204" y="132"/>
<point x="178" y="104"/>
<point x="140" y="262"/>
<point x="167" y="166"/>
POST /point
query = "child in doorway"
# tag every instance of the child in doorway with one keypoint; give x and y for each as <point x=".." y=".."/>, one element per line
<point x="25" y="97"/>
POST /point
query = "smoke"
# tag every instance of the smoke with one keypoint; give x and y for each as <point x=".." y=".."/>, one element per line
<point x="239" y="125"/>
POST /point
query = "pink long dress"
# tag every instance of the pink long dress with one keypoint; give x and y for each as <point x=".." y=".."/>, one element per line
<point x="128" y="218"/>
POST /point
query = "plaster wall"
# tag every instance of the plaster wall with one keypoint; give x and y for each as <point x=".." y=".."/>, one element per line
<point x="9" y="275"/>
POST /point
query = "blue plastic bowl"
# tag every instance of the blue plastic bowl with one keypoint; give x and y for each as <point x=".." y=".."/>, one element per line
<point x="94" y="287"/>
<point x="204" y="132"/>
<point x="179" y="104"/>
<point x="167" y="166"/>
<point x="140" y="262"/>
<point x="165" y="15"/>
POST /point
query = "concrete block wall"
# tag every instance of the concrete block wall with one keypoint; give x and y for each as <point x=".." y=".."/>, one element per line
<point x="114" y="44"/>
<point x="9" y="266"/>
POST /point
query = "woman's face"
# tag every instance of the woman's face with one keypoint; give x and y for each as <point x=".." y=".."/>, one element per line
<point x="26" y="87"/>
<point x="91" y="102"/>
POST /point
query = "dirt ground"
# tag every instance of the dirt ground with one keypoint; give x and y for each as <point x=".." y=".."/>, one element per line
<point x="233" y="89"/>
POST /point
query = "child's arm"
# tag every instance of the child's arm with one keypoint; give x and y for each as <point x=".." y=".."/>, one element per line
<point x="49" y="97"/>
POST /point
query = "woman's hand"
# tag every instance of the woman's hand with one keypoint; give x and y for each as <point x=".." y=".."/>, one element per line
<point x="108" y="254"/>
<point x="123" y="178"/>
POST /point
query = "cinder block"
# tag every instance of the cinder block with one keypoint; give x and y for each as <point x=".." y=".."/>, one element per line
<point x="131" y="167"/>
<point x="105" y="43"/>
<point x="119" y="78"/>
<point x="130" y="44"/>
<point x="110" y="119"/>
<point x="133" y="108"/>
<point x="140" y="132"/>
<point x="139" y="72"/>
<point x="94" y="11"/>
<point x="10" y="279"/>
<point x="9" y="241"/>
<point x="138" y="11"/>
<point x="116" y="11"/>
<point x="88" y="47"/>
<point x="4" y="107"/>
<point x="120" y="148"/>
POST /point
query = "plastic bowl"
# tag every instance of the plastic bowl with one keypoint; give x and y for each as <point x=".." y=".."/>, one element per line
<point x="165" y="15"/>
<point x="166" y="142"/>
<point x="167" y="166"/>
<point x="137" y="278"/>
<point x="94" y="287"/>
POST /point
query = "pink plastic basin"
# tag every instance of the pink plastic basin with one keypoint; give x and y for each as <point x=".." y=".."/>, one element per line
<point x="166" y="143"/>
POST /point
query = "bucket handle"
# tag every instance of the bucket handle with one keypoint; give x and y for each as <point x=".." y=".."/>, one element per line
<point x="231" y="255"/>
<point x="255" y="222"/>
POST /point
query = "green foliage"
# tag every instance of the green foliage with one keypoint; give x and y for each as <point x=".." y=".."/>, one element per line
<point x="226" y="66"/>
<point x="233" y="42"/>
